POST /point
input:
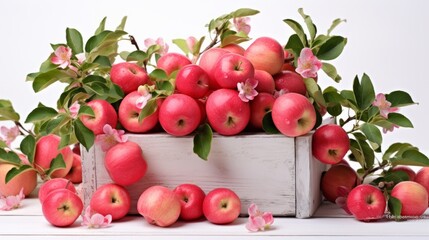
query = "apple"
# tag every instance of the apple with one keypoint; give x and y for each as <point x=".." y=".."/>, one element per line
<point x="62" y="207"/>
<point x="406" y="169"/>
<point x="266" y="54"/>
<point x="265" y="82"/>
<point x="191" y="200"/>
<point x="259" y="106"/>
<point x="172" y="62"/>
<point x="128" y="76"/>
<point x="234" y="48"/>
<point x="366" y="203"/>
<point x="413" y="196"/>
<point x="75" y="173"/>
<point x="125" y="163"/>
<point x="193" y="81"/>
<point x="289" y="81"/>
<point x="128" y="113"/>
<point x="335" y="177"/>
<point x="330" y="143"/>
<point x="208" y="62"/>
<point x="202" y="105"/>
<point x="76" y="149"/>
<point x="54" y="184"/>
<point x="288" y="64"/>
<point x="422" y="177"/>
<point x="159" y="206"/>
<point x="226" y="113"/>
<point x="221" y="206"/>
<point x="27" y="180"/>
<point x="104" y="113"/>
<point x="111" y="199"/>
<point x="179" y="114"/>
<point x="47" y="150"/>
<point x="231" y="69"/>
<point x="293" y="114"/>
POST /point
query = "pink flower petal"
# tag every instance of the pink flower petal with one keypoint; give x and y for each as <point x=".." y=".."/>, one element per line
<point x="383" y="105"/>
<point x="110" y="137"/>
<point x="190" y="42"/>
<point x="308" y="64"/>
<point x="268" y="218"/>
<point x="95" y="220"/>
<point x="246" y="91"/>
<point x="241" y="24"/>
<point x="9" y="134"/>
<point x="62" y="57"/>
<point x="12" y="202"/>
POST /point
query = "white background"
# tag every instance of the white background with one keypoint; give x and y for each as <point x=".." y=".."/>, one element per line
<point x="386" y="39"/>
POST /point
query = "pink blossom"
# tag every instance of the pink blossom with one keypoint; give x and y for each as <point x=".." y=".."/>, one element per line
<point x="308" y="64"/>
<point x="9" y="134"/>
<point x="80" y="58"/>
<point x="258" y="221"/>
<point x="341" y="200"/>
<point x="74" y="109"/>
<point x="11" y="202"/>
<point x="390" y="129"/>
<point x="160" y="42"/>
<point x="190" y="42"/>
<point x="279" y="93"/>
<point x="110" y="137"/>
<point x="95" y="220"/>
<point x="246" y="91"/>
<point x="62" y="56"/>
<point x="241" y="24"/>
<point x="145" y="96"/>
<point x="383" y="105"/>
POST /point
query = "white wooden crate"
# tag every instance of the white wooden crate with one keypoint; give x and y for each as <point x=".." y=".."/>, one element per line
<point x="277" y="173"/>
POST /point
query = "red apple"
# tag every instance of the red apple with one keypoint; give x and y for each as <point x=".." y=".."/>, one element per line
<point x="293" y="114"/>
<point x="172" y="62"/>
<point x="289" y="81"/>
<point x="406" y="169"/>
<point x="422" y="177"/>
<point x="129" y="115"/>
<point x="330" y="143"/>
<point x="234" y="48"/>
<point x="179" y="114"/>
<point x="75" y="173"/>
<point x="288" y="64"/>
<point x="259" y="106"/>
<point x="208" y="62"/>
<point x="128" y="76"/>
<point x="413" y="196"/>
<point x="54" y="184"/>
<point x="265" y="82"/>
<point x="125" y="163"/>
<point x="159" y="206"/>
<point x="335" y="177"/>
<point x="226" y="112"/>
<point x="266" y="54"/>
<point x="47" y="150"/>
<point x="27" y="180"/>
<point x="191" y="199"/>
<point x="76" y="149"/>
<point x="221" y="206"/>
<point x="193" y="81"/>
<point x="111" y="199"/>
<point x="104" y="114"/>
<point x="366" y="203"/>
<point x="231" y="69"/>
<point x="62" y="207"/>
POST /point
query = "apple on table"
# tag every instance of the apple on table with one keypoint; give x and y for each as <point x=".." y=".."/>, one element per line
<point x="221" y="206"/>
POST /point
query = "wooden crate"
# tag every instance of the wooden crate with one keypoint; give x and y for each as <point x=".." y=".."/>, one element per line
<point x="277" y="173"/>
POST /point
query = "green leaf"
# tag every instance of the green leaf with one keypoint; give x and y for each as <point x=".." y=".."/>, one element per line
<point x="364" y="92"/>
<point x="95" y="40"/>
<point x="83" y="134"/>
<point x="28" y="147"/>
<point x="411" y="157"/>
<point x="45" y="79"/>
<point x="7" y="112"/>
<point x="351" y="100"/>
<point x="103" y="61"/>
<point x="310" y="25"/>
<point x="181" y="43"/>
<point x="86" y="110"/>
<point x="53" y="125"/>
<point x="122" y="24"/>
<point x="334" y="24"/>
<point x="372" y="133"/>
<point x="149" y="109"/>
<point x="101" y="26"/>
<point x="364" y="149"/>
<point x="332" y="48"/>
<point x="399" y="119"/>
<point x="56" y="163"/>
<point x="295" y="45"/>
<point x="268" y="124"/>
<point x="158" y="74"/>
<point x="298" y="30"/>
<point x="331" y="71"/>
<point x="9" y="157"/>
<point x="397" y="149"/>
<point x="399" y="99"/>
<point x="231" y="37"/>
<point x="203" y="141"/>
<point x="41" y="114"/>
<point x="244" y="12"/>
<point x="137" y="55"/>
<point x="13" y="172"/>
<point x="74" y="40"/>
<point x="314" y="91"/>
<point x="395" y="207"/>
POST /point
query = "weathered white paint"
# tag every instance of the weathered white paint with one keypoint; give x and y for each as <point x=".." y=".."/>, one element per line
<point x="260" y="168"/>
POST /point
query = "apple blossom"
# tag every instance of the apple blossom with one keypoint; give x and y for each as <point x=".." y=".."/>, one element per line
<point x="11" y="202"/>
<point x="341" y="200"/>
<point x="279" y="93"/>
<point x="258" y="221"/>
<point x="190" y="42"/>
<point x="62" y="56"/>
<point x="145" y="97"/>
<point x="242" y="24"/>
<point x="308" y="64"/>
<point x="110" y="137"/>
<point x="390" y="129"/>
<point x="9" y="134"/>
<point x="384" y="106"/>
<point x="95" y="220"/>
<point x="246" y="91"/>
<point x="160" y="42"/>
<point x="74" y="109"/>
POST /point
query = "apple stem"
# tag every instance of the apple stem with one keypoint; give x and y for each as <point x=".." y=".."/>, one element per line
<point x="134" y="42"/>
